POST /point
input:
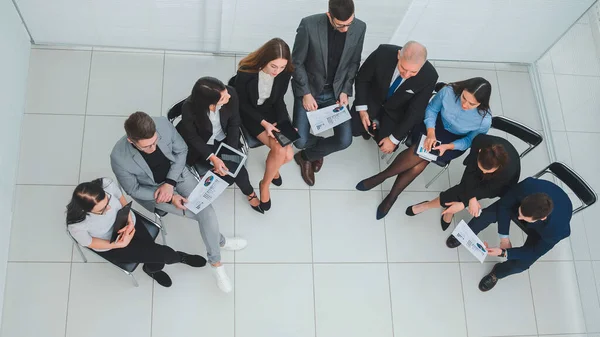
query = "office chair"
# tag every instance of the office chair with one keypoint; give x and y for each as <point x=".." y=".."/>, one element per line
<point x="127" y="268"/>
<point x="574" y="181"/>
<point x="523" y="132"/>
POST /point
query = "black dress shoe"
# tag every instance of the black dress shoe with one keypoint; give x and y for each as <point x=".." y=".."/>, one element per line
<point x="361" y="186"/>
<point x="277" y="181"/>
<point x="452" y="242"/>
<point x="160" y="277"/>
<point x="192" y="260"/>
<point x="488" y="281"/>
<point x="256" y="208"/>
<point x="444" y="224"/>
<point x="409" y="210"/>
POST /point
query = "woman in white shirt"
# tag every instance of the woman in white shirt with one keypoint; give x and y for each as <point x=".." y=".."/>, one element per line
<point x="261" y="82"/>
<point x="90" y="218"/>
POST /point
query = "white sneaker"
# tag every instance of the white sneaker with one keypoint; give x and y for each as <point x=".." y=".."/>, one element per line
<point x="234" y="244"/>
<point x="223" y="281"/>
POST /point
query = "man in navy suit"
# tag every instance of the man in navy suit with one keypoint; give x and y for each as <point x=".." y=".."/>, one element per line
<point x="542" y="209"/>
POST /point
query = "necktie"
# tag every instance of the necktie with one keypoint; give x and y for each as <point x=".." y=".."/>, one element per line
<point x="394" y="86"/>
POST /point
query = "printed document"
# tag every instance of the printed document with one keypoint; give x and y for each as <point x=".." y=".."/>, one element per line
<point x="422" y="152"/>
<point x="326" y="118"/>
<point x="470" y="241"/>
<point x="208" y="190"/>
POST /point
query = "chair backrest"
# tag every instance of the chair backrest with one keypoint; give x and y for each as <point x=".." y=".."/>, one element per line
<point x="523" y="132"/>
<point x="574" y="181"/>
<point x="175" y="111"/>
<point x="231" y="81"/>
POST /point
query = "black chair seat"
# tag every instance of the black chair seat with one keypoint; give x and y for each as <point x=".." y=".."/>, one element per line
<point x="251" y="141"/>
<point x="160" y="212"/>
<point x="175" y="111"/>
<point x="523" y="132"/>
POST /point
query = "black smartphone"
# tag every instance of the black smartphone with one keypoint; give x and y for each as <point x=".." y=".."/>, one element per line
<point x="435" y="152"/>
<point x="287" y="134"/>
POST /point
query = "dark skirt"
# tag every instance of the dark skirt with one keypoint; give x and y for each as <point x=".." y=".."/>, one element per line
<point x="253" y="127"/>
<point x="442" y="135"/>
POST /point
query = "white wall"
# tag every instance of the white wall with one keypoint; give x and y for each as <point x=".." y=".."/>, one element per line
<point x="194" y="25"/>
<point x="488" y="30"/>
<point x="569" y="76"/>
<point x="14" y="62"/>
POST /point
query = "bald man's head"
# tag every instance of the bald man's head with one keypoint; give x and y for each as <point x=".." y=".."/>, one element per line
<point x="411" y="58"/>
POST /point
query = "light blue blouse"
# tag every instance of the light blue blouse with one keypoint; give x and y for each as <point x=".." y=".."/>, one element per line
<point x="456" y="120"/>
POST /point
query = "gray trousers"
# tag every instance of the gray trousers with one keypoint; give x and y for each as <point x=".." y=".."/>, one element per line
<point x="207" y="218"/>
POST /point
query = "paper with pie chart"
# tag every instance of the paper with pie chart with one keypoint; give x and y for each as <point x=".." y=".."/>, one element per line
<point x="470" y="241"/>
<point x="326" y="118"/>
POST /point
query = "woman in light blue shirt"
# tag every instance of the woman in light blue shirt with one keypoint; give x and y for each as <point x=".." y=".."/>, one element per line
<point x="459" y="112"/>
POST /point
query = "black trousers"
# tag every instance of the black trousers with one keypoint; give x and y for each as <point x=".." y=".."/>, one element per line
<point x="143" y="249"/>
<point x="242" y="180"/>
<point x="507" y="268"/>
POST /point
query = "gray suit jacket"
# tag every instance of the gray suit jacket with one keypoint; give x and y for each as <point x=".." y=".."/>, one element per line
<point x="309" y="56"/>
<point x="132" y="171"/>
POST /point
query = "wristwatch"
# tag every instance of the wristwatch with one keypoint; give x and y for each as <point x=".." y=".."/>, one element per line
<point x="503" y="254"/>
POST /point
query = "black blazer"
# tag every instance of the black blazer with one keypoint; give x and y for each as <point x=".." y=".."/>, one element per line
<point x="196" y="129"/>
<point x="405" y="108"/>
<point x="246" y="84"/>
<point x="500" y="182"/>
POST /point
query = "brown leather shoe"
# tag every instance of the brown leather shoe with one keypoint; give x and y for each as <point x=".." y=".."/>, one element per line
<point x="317" y="164"/>
<point x="306" y="169"/>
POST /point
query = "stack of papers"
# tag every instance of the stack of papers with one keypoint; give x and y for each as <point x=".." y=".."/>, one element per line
<point x="327" y="118"/>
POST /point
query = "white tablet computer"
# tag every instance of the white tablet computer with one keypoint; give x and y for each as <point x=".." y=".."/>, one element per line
<point x="233" y="159"/>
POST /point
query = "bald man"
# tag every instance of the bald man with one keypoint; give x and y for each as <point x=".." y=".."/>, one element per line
<point x="393" y="88"/>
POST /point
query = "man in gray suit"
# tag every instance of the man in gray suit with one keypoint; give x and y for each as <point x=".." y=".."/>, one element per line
<point x="149" y="163"/>
<point x="326" y="58"/>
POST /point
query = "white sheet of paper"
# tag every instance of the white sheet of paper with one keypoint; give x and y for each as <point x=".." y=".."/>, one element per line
<point x="421" y="152"/>
<point x="208" y="190"/>
<point x="326" y="118"/>
<point x="470" y="241"/>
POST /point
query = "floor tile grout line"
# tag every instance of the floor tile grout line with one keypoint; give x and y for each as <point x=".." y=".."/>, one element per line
<point x="152" y="309"/>
<point x="312" y="265"/>
<point x="327" y="262"/>
<point x="462" y="291"/>
<point x="596" y="282"/>
<point x="162" y="87"/>
<point x="68" y="297"/>
<point x="387" y="259"/>
<point x="537" y="328"/>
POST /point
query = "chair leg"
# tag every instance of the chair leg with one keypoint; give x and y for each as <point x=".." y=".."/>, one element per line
<point x="81" y="252"/>
<point x="164" y="237"/>
<point x="135" y="282"/>
<point x="437" y="176"/>
<point x="163" y="230"/>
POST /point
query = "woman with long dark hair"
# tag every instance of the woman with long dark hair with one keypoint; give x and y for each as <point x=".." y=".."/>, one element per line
<point x="261" y="82"/>
<point x="458" y="112"/>
<point x="492" y="167"/>
<point x="90" y="218"/>
<point x="209" y="117"/>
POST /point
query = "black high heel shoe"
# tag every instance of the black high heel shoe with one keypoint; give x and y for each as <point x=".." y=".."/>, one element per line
<point x="444" y="224"/>
<point x="278" y="181"/>
<point x="256" y="208"/>
<point x="385" y="206"/>
<point x="265" y="206"/>
<point x="409" y="210"/>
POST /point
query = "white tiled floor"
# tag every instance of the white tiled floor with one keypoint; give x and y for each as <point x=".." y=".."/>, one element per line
<point x="570" y="83"/>
<point x="317" y="264"/>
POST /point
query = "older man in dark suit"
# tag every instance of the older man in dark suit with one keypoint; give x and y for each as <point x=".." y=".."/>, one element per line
<point x="326" y="57"/>
<point x="393" y="88"/>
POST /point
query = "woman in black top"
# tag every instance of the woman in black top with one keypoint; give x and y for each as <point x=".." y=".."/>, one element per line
<point x="492" y="167"/>
<point x="262" y="80"/>
<point x="209" y="117"/>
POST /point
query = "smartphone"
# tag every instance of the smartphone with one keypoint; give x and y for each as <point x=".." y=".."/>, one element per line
<point x="435" y="152"/>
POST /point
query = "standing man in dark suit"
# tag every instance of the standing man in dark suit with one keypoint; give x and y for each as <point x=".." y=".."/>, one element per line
<point x="545" y="210"/>
<point x="326" y="57"/>
<point x="393" y="88"/>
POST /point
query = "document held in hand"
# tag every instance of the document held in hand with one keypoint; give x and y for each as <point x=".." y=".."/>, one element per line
<point x="326" y="118"/>
<point x="469" y="240"/>
<point x="423" y="153"/>
<point x="208" y="190"/>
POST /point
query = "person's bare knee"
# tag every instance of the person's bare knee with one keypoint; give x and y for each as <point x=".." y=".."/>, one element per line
<point x="289" y="155"/>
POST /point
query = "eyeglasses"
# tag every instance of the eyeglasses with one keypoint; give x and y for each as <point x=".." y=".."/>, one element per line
<point x="336" y="26"/>
<point x="147" y="147"/>
<point x="107" y="203"/>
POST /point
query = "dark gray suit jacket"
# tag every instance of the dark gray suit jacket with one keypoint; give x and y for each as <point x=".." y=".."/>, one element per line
<point x="132" y="171"/>
<point x="309" y="56"/>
